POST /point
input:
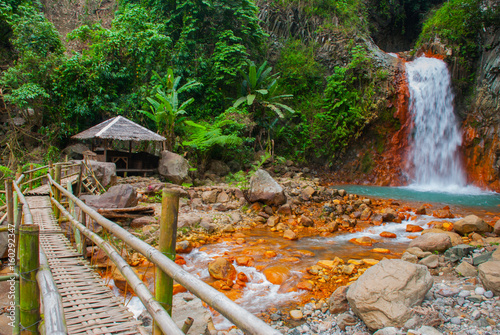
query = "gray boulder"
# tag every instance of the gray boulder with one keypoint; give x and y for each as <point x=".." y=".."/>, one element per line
<point x="187" y="305"/>
<point x="264" y="188"/>
<point x="471" y="223"/>
<point x="119" y="196"/>
<point x="489" y="273"/>
<point x="103" y="171"/>
<point x="432" y="242"/>
<point x="496" y="229"/>
<point x="75" y="151"/>
<point x="219" y="168"/>
<point x="188" y="220"/>
<point x="466" y="270"/>
<point x="384" y="295"/>
<point x="173" y="167"/>
<point x="337" y="302"/>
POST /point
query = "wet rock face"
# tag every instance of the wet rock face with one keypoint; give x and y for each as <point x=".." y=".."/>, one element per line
<point x="385" y="293"/>
<point x="222" y="269"/>
<point x="265" y="189"/>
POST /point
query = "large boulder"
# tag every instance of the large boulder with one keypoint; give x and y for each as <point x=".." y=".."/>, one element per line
<point x="103" y="171"/>
<point x="187" y="305"/>
<point x="489" y="273"/>
<point x="264" y="188"/>
<point x="173" y="167"/>
<point x="219" y="168"/>
<point x="119" y="196"/>
<point x="471" y="223"/>
<point x="75" y="151"/>
<point x="432" y="242"/>
<point x="384" y="295"/>
<point x="455" y="238"/>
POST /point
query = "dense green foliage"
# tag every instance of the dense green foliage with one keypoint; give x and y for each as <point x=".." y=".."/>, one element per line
<point x="457" y="23"/>
<point x="204" y="74"/>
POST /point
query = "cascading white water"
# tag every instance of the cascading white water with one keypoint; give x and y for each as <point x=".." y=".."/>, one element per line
<point x="436" y="138"/>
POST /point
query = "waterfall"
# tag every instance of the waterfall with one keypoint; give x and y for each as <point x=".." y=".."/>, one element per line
<point x="436" y="137"/>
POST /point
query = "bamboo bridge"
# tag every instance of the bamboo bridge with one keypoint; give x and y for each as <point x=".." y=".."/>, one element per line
<point x="58" y="291"/>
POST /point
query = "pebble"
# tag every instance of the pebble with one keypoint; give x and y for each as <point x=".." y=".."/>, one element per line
<point x="488" y="294"/>
<point x="464" y="294"/>
<point x="455" y="320"/>
<point x="479" y="290"/>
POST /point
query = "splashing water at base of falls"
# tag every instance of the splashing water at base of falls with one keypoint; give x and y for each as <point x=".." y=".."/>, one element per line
<point x="436" y="137"/>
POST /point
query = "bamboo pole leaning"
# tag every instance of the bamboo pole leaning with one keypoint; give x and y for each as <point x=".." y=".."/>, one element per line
<point x="159" y="314"/>
<point x="53" y="314"/>
<point x="244" y="320"/>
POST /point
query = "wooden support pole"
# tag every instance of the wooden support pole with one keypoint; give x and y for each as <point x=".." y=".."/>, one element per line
<point x="80" y="176"/>
<point x="57" y="193"/>
<point x="16" y="330"/>
<point x="168" y="234"/>
<point x="31" y="177"/>
<point x="76" y="232"/>
<point x="28" y="267"/>
<point x="9" y="197"/>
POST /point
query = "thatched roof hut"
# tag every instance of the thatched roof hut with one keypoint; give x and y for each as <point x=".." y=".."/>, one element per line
<point x="119" y="128"/>
<point x="122" y="130"/>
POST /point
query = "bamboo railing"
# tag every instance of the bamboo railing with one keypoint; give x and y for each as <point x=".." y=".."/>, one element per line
<point x="32" y="273"/>
<point x="243" y="319"/>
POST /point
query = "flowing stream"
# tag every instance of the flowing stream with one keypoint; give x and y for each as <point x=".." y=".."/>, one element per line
<point x="436" y="137"/>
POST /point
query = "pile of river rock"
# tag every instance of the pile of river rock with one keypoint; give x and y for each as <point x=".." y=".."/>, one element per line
<point x="446" y="282"/>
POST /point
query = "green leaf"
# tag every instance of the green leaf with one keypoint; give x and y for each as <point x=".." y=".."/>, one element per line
<point x="250" y="99"/>
<point x="239" y="101"/>
<point x="262" y="91"/>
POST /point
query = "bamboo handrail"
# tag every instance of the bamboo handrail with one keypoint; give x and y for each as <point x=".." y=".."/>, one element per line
<point x="243" y="319"/>
<point x="28" y="219"/>
<point x="54" y="320"/>
<point x="159" y="314"/>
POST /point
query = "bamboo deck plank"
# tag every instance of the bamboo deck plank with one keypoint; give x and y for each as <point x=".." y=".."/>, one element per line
<point x="89" y="305"/>
<point x="44" y="189"/>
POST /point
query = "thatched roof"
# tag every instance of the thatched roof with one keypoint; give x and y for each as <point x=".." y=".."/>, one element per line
<point x="119" y="128"/>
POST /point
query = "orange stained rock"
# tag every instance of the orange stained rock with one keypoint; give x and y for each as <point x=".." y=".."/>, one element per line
<point x="330" y="263"/>
<point x="178" y="288"/>
<point x="306" y="285"/>
<point x="388" y="234"/>
<point x="244" y="261"/>
<point x="242" y="277"/>
<point x="240" y="241"/>
<point x="239" y="235"/>
<point x="413" y="228"/>
<point x="412" y="237"/>
<point x="270" y="254"/>
<point x="179" y="260"/>
<point x="365" y="240"/>
<point x="381" y="250"/>
<point x="290" y="235"/>
<point x="290" y="260"/>
<point x="444" y="213"/>
<point x="221" y="268"/>
<point x="277" y="274"/>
